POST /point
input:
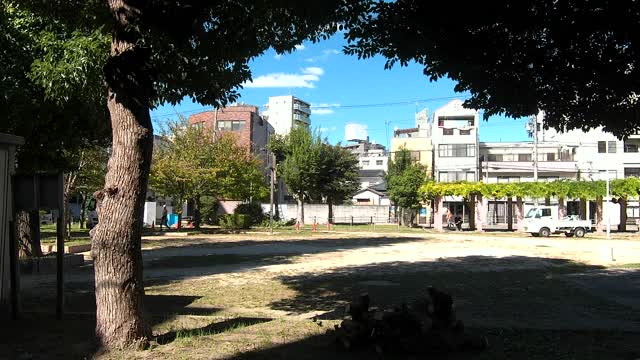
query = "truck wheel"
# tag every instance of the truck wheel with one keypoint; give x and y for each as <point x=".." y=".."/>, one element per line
<point x="545" y="232"/>
<point x="579" y="232"/>
<point x="535" y="234"/>
<point x="568" y="234"/>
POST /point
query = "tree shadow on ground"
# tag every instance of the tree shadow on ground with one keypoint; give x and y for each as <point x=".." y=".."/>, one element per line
<point x="210" y="329"/>
<point x="504" y="343"/>
<point x="510" y="292"/>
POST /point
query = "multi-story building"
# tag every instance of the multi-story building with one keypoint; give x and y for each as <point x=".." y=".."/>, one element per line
<point x="417" y="140"/>
<point x="287" y="112"/>
<point x="504" y="162"/>
<point x="454" y="133"/>
<point x="371" y="156"/>
<point x="241" y="120"/>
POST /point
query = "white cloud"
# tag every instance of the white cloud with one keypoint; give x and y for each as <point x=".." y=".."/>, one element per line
<point x="328" y="52"/>
<point x="323" y="109"/>
<point x="306" y="79"/>
<point x="310" y="60"/>
<point x="323" y="129"/>
<point x="277" y="56"/>
<point x="313" y="71"/>
<point x="300" y="47"/>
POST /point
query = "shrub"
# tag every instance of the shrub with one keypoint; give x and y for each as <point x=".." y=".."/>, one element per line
<point x="253" y="211"/>
<point x="235" y="221"/>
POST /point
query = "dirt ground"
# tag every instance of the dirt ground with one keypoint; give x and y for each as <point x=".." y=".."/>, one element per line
<point x="276" y="283"/>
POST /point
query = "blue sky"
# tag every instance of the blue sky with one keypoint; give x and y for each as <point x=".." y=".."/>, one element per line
<point x="346" y="90"/>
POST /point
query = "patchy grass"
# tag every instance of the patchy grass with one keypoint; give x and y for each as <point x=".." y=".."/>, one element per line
<point x="628" y="266"/>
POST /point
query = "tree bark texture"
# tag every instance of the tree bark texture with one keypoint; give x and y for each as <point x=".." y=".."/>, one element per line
<point x="519" y="214"/>
<point x="510" y="213"/>
<point x="562" y="207"/>
<point x="599" y="215"/>
<point x="330" y="211"/>
<point x="623" y="214"/>
<point x="472" y="212"/>
<point x="28" y="233"/>
<point x="437" y="213"/>
<point x="300" y="214"/>
<point x="116" y="245"/>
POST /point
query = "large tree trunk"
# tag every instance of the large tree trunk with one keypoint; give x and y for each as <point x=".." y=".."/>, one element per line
<point x="116" y="241"/>
<point x="600" y="224"/>
<point x="330" y="213"/>
<point x="623" y="214"/>
<point x="28" y="233"/>
<point x="83" y="211"/>
<point x="300" y="214"/>
<point x="510" y="213"/>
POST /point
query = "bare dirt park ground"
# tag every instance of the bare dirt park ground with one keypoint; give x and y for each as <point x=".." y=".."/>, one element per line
<point x="257" y="295"/>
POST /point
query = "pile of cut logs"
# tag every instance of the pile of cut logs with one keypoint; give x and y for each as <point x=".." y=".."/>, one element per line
<point x="429" y="325"/>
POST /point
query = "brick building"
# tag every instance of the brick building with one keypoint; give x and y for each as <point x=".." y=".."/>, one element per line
<point x="243" y="121"/>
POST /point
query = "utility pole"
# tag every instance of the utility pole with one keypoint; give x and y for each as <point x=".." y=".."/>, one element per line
<point x="271" y="185"/>
<point x="535" y="148"/>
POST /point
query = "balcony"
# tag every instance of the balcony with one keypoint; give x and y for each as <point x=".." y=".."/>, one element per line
<point x="302" y="107"/>
<point x="301" y="117"/>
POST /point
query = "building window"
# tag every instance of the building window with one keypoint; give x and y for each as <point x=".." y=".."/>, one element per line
<point x="494" y="157"/>
<point x="447" y="131"/>
<point x="524" y="157"/>
<point x="198" y="125"/>
<point x="457" y="150"/>
<point x="612" y="147"/>
<point x="551" y="157"/>
<point x="628" y="172"/>
<point x="379" y="162"/>
<point x="365" y="162"/>
<point x="602" y="147"/>
<point x="453" y="176"/>
<point x="465" y="132"/>
<point x="230" y="125"/>
<point x="630" y="148"/>
<point x="415" y="155"/>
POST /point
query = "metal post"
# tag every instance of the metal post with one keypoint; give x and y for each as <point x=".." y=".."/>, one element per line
<point x="606" y="206"/>
<point x="13" y="271"/>
<point x="60" y="228"/>
<point x="271" y="185"/>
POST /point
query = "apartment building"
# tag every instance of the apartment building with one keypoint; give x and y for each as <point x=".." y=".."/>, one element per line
<point x="454" y="134"/>
<point x="286" y="112"/>
<point x="243" y="121"/>
<point x="417" y="140"/>
<point x="371" y="156"/>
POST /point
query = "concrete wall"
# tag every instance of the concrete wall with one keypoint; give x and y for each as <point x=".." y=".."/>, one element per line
<point x="362" y="214"/>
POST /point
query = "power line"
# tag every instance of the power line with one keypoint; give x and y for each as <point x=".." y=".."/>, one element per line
<point x="336" y="106"/>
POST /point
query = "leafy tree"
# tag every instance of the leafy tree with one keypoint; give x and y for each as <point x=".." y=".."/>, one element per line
<point x="404" y="180"/>
<point x="49" y="72"/>
<point x="162" y="51"/>
<point x="338" y="175"/>
<point x="192" y="162"/>
<point x="301" y="168"/>
<point x="576" y="60"/>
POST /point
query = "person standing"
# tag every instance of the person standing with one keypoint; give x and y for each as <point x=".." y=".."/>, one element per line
<point x="163" y="219"/>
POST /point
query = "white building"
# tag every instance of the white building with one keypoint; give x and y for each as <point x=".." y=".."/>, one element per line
<point x="599" y="152"/>
<point x="287" y="112"/>
<point x="454" y="133"/>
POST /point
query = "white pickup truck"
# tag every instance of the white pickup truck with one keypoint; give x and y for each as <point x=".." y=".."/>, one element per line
<point x="544" y="221"/>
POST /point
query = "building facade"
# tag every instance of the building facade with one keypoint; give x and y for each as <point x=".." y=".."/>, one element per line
<point x="371" y="156"/>
<point x="243" y="121"/>
<point x="286" y="112"/>
<point x="454" y="133"/>
<point x="417" y="140"/>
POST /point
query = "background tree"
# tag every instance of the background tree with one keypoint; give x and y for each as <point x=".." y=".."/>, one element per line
<point x="301" y="168"/>
<point x="52" y="95"/>
<point x="162" y="51"/>
<point x="404" y="179"/>
<point x="576" y="60"/>
<point x="192" y="162"/>
<point x="338" y="178"/>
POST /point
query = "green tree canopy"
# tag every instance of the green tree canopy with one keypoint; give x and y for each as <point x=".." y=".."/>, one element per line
<point x="576" y="60"/>
<point x="404" y="180"/>
<point x="191" y="162"/>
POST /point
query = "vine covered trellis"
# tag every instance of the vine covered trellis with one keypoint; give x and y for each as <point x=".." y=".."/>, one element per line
<point x="562" y="189"/>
